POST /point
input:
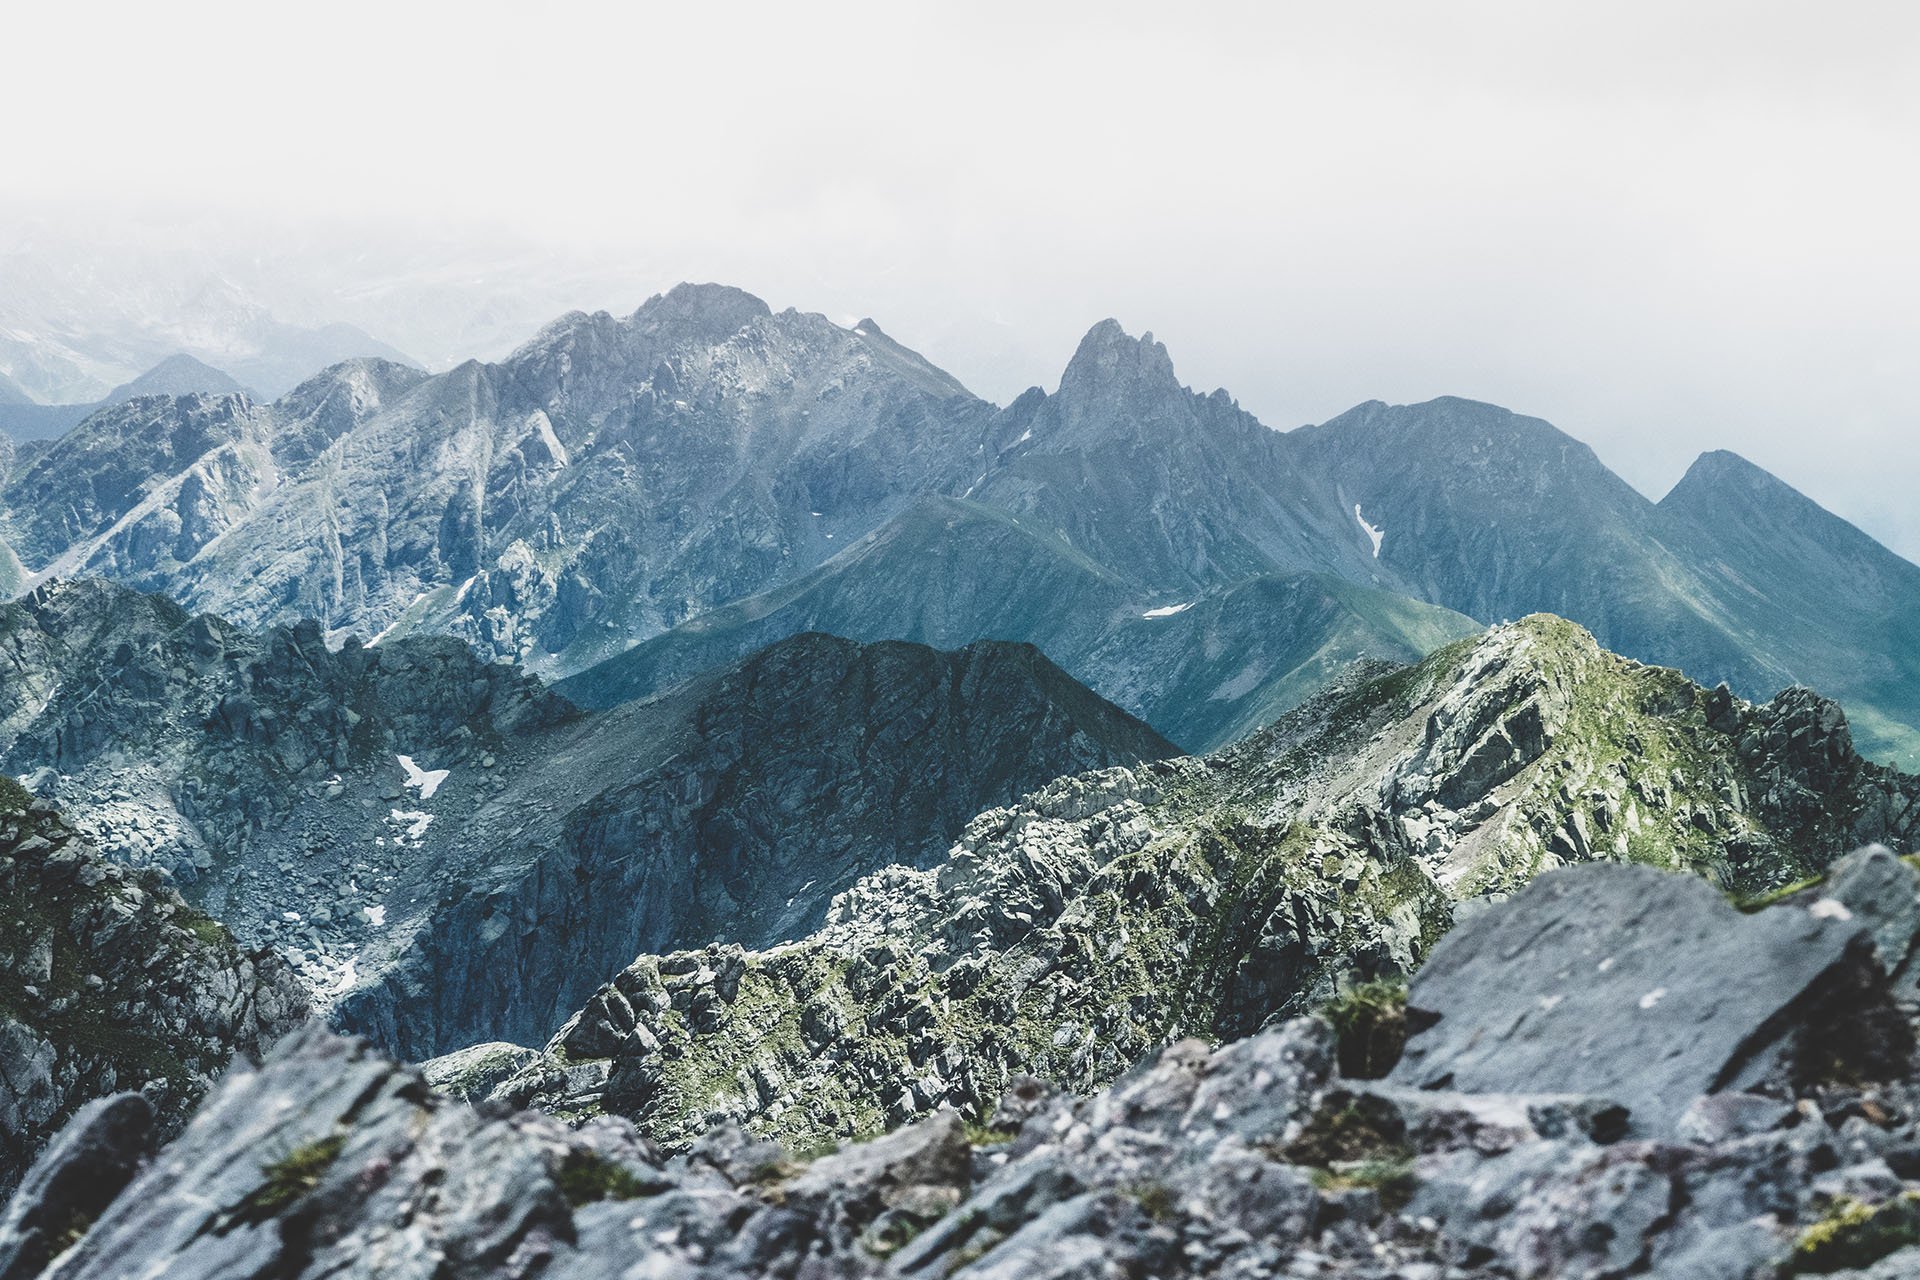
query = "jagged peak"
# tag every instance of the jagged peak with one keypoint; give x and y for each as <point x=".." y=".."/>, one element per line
<point x="1111" y="358"/>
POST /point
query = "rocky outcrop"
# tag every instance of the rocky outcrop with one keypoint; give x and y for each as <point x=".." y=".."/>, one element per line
<point x="1105" y="914"/>
<point x="109" y="981"/>
<point x="1255" y="1159"/>
<point x="413" y="827"/>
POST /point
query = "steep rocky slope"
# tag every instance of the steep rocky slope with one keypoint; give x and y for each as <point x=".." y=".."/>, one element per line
<point x="1069" y="934"/>
<point x="452" y="852"/>
<point x="109" y="981"/>
<point x="1778" y="1137"/>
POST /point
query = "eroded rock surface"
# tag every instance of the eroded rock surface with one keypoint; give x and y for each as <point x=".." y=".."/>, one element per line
<point x="1254" y="1159"/>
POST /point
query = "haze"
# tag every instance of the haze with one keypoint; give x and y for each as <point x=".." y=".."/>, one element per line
<point x="1664" y="228"/>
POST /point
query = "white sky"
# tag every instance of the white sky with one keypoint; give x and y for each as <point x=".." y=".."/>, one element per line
<point x="1665" y="227"/>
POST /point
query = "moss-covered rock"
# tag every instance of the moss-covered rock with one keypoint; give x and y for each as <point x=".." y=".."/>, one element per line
<point x="109" y="981"/>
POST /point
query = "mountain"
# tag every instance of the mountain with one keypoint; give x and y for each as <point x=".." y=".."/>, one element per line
<point x="109" y="981"/>
<point x="1105" y="915"/>
<point x="1498" y="515"/>
<point x="1204" y="671"/>
<point x="177" y="375"/>
<point x="707" y="463"/>
<point x="11" y="394"/>
<point x="414" y="826"/>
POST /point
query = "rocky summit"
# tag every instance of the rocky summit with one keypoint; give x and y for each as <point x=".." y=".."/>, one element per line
<point x="1785" y="1141"/>
<point x="1070" y="934"/>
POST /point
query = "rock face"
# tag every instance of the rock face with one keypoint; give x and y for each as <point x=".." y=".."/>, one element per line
<point x="109" y="981"/>
<point x="414" y="827"/>
<point x="621" y="479"/>
<point x="1105" y="914"/>
<point x="1542" y="996"/>
<point x="1256" y="1159"/>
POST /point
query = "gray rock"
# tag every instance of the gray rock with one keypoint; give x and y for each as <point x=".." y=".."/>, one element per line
<point x="1643" y="986"/>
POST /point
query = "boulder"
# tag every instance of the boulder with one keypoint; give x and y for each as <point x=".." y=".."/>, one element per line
<point x="1646" y="987"/>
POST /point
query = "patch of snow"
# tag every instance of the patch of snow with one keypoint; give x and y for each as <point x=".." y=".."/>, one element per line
<point x="1653" y="997"/>
<point x="412" y="825"/>
<point x="861" y="332"/>
<point x="1025" y="436"/>
<point x="291" y="917"/>
<point x="1168" y="610"/>
<point x="1372" y="531"/>
<point x="1830" y="909"/>
<point x="425" y="781"/>
<point x="348" y="976"/>
<point x="376" y="916"/>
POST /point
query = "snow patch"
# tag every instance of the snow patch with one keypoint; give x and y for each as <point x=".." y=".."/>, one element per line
<point x="410" y="826"/>
<point x="1168" y="610"/>
<point x="425" y="781"/>
<point x="376" y="916"/>
<point x="1373" y="531"/>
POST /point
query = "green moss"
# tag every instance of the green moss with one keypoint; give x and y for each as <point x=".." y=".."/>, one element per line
<point x="1855" y="1235"/>
<point x="1155" y="1199"/>
<point x="587" y="1178"/>
<point x="14" y="798"/>
<point x="1752" y="902"/>
<point x="292" y="1177"/>
<point x="1370" y="1022"/>
<point x="1392" y="1180"/>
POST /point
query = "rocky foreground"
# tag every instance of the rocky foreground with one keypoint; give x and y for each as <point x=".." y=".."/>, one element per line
<point x="1614" y="1072"/>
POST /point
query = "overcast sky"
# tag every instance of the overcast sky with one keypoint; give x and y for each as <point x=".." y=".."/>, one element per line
<point x="1665" y="227"/>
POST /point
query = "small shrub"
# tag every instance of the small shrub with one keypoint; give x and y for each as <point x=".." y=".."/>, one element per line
<point x="14" y="798"/>
<point x="1155" y="1199"/>
<point x="587" y="1178"/>
<point x="1349" y="1129"/>
<point x="1370" y="1022"/>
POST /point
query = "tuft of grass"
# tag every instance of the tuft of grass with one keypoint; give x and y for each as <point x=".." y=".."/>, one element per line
<point x="585" y="1177"/>
<point x="292" y="1177"/>
<point x="1390" y="1179"/>
<point x="985" y="1135"/>
<point x="1752" y="902"/>
<point x="1854" y="1234"/>
<point x="1370" y="1021"/>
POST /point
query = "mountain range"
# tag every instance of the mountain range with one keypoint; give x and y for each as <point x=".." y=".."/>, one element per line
<point x="24" y="420"/>
<point x="625" y="501"/>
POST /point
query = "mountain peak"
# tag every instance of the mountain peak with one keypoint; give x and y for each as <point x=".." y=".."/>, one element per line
<point x="714" y="304"/>
<point x="1109" y="358"/>
<point x="178" y="374"/>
